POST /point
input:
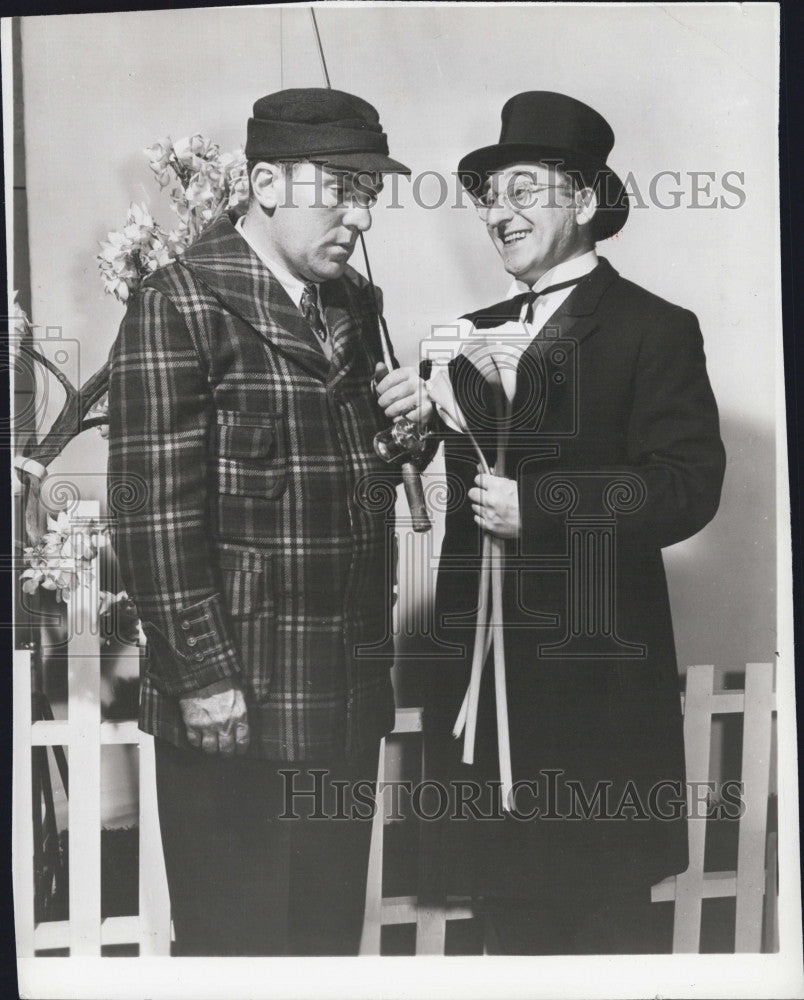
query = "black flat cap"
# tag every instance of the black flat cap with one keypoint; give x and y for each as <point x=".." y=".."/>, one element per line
<point x="326" y="126"/>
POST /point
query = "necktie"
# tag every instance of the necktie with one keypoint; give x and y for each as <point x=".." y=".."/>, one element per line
<point x="311" y="312"/>
<point x="530" y="297"/>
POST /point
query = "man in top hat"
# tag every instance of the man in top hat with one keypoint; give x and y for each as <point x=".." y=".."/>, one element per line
<point x="242" y="416"/>
<point x="613" y="451"/>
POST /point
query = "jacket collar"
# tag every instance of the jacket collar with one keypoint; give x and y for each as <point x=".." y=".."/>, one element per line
<point x="576" y="317"/>
<point x="573" y="321"/>
<point x="223" y="261"/>
<point x="584" y="299"/>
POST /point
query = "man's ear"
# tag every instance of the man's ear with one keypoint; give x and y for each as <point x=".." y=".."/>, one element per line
<point x="585" y="205"/>
<point x="264" y="179"/>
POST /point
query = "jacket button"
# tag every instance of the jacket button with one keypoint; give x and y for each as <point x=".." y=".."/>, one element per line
<point x="185" y="625"/>
<point x="191" y="641"/>
<point x="198" y="656"/>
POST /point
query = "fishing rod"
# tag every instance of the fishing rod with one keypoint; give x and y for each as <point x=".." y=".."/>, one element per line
<point x="403" y="440"/>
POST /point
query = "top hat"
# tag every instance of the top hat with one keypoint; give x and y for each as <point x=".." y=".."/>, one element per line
<point x="322" y="125"/>
<point x="543" y="127"/>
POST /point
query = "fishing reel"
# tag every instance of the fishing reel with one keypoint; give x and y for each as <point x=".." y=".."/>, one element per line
<point x="403" y="441"/>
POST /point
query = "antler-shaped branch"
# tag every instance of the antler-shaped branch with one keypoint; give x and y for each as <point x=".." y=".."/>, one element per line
<point x="70" y="422"/>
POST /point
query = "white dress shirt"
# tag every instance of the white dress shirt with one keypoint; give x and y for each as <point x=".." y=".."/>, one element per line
<point x="503" y="346"/>
<point x="292" y="285"/>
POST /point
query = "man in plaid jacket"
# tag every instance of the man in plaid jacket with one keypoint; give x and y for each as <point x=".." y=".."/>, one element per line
<point x="256" y="538"/>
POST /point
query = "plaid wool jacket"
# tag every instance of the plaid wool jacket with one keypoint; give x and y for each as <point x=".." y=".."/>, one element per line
<point x="254" y="522"/>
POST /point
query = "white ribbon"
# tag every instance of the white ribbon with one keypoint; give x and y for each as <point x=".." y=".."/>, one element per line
<point x="486" y="633"/>
<point x="31" y="466"/>
<point x="488" y="629"/>
<point x="496" y="355"/>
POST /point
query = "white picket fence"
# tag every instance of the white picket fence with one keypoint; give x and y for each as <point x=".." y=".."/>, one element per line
<point x="753" y="884"/>
<point x="83" y="734"/>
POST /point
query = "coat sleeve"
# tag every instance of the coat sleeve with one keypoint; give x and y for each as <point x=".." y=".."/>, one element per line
<point x="675" y="457"/>
<point x="160" y="413"/>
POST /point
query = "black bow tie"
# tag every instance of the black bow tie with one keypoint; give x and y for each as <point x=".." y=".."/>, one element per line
<point x="509" y="310"/>
<point x="531" y="296"/>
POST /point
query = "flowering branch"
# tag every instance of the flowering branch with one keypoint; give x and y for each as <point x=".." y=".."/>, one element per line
<point x="209" y="184"/>
<point x="60" y="559"/>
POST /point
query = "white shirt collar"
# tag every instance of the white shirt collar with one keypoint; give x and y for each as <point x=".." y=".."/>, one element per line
<point x="578" y="267"/>
<point x="292" y="285"/>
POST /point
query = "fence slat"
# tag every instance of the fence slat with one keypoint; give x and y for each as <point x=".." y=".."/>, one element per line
<point x="405" y="909"/>
<point x="56" y="933"/>
<point x="715" y="885"/>
<point x="372" y="918"/>
<point x="124" y="731"/>
<point x="22" y="806"/>
<point x="689" y="884"/>
<point x="154" y="923"/>
<point x="431" y="919"/>
<point x="50" y="733"/>
<point x="770" y="923"/>
<point x="83" y="686"/>
<point x="56" y="732"/>
<point x="753" y="824"/>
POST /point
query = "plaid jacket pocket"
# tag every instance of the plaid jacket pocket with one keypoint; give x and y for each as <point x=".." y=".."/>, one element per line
<point x="252" y="453"/>
<point x="249" y="593"/>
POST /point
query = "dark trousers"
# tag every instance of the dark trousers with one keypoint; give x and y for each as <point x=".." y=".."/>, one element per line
<point x="612" y="916"/>
<point x="245" y="877"/>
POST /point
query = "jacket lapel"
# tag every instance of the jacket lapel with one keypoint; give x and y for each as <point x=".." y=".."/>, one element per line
<point x="575" y="317"/>
<point x="230" y="269"/>
<point x="352" y="314"/>
<point x="574" y="321"/>
<point x="339" y="313"/>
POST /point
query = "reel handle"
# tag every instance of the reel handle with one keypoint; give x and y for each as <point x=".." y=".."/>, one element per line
<point x="396" y="444"/>
<point x="412" y="481"/>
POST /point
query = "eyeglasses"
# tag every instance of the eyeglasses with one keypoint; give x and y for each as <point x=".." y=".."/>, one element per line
<point x="519" y="192"/>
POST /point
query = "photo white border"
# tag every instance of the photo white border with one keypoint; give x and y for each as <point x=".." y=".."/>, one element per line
<point x="431" y="978"/>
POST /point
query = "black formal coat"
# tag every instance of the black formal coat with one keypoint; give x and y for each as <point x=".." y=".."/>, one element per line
<point x="614" y="444"/>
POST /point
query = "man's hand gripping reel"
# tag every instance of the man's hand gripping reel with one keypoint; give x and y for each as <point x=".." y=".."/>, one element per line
<point x="403" y="442"/>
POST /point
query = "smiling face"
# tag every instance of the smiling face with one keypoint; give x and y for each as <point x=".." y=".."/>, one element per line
<point x="309" y="218"/>
<point x="536" y="218"/>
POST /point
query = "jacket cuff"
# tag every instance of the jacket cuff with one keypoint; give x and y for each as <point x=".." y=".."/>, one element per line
<point x="192" y="650"/>
<point x="217" y="687"/>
